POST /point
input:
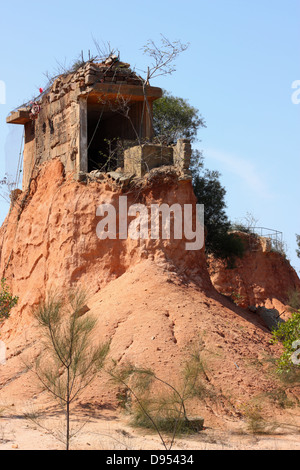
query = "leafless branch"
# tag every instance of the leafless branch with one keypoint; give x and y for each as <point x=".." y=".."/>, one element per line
<point x="162" y="56"/>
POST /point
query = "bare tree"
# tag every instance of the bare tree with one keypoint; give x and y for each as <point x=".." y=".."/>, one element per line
<point x="163" y="57"/>
<point x="104" y="49"/>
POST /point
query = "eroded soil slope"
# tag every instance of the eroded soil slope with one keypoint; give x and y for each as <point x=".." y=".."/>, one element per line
<point x="154" y="300"/>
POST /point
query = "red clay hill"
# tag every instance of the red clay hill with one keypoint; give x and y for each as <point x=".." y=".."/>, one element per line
<point x="153" y="299"/>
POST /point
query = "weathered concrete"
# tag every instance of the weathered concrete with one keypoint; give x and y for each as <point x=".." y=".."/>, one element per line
<point x="142" y="158"/>
<point x="61" y="128"/>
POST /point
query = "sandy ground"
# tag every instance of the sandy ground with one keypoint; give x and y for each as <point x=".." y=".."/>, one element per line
<point x="111" y="431"/>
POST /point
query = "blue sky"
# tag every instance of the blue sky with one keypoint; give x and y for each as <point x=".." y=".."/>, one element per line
<point x="238" y="71"/>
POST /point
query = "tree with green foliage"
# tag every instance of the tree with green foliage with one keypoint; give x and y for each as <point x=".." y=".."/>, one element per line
<point x="219" y="241"/>
<point x="69" y="363"/>
<point x="7" y="300"/>
<point x="298" y="243"/>
<point x="174" y="118"/>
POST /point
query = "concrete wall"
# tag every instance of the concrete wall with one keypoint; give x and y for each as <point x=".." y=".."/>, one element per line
<point x="182" y="154"/>
<point x="139" y="160"/>
<point x="61" y="127"/>
<point x="55" y="133"/>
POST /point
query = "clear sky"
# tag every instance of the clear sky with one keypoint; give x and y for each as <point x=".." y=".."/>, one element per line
<point x="238" y="71"/>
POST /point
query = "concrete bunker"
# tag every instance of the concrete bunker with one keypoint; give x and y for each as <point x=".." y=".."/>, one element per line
<point x="111" y="129"/>
<point x="96" y="118"/>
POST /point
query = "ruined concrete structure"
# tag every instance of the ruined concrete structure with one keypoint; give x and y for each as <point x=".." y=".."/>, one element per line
<point x="140" y="159"/>
<point x="84" y="110"/>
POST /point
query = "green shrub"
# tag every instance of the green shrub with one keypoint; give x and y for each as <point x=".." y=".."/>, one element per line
<point x="156" y="404"/>
<point x="279" y="397"/>
<point x="254" y="420"/>
<point x="229" y="247"/>
<point x="7" y="301"/>
<point x="287" y="333"/>
<point x="241" y="228"/>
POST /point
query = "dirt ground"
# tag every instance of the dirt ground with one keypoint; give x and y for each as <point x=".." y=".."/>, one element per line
<point x="112" y="431"/>
<point x="156" y="331"/>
